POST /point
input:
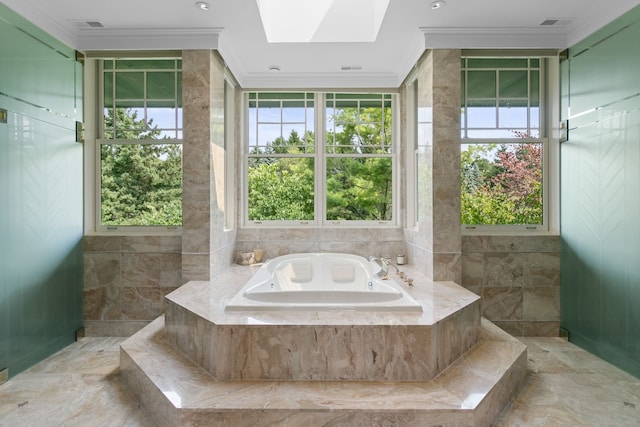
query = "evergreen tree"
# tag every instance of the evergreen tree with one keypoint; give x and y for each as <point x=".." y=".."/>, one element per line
<point x="141" y="183"/>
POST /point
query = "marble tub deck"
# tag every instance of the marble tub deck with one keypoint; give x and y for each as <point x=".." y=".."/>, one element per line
<point x="321" y="345"/>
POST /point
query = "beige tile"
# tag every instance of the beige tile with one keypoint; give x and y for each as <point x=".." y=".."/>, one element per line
<point x="102" y="243"/>
<point x="541" y="329"/>
<point x="502" y="303"/>
<point x="151" y="270"/>
<point x="101" y="270"/>
<point x="503" y="269"/>
<point x="541" y="269"/>
<point x="541" y="304"/>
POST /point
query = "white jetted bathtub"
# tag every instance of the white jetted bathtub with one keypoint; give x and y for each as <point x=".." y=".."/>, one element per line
<point x="321" y="281"/>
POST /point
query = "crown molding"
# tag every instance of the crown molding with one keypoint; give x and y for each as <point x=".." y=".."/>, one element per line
<point x="148" y="39"/>
<point x="231" y="61"/>
<point x="470" y="38"/>
<point x="347" y="79"/>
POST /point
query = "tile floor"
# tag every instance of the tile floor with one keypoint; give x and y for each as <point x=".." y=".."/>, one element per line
<point x="80" y="386"/>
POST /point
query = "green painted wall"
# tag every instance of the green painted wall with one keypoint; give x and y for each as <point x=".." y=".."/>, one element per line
<point x="600" y="208"/>
<point x="40" y="194"/>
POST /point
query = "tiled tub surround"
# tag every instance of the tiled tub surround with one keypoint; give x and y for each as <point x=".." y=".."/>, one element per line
<point x="321" y="345"/>
<point x="177" y="389"/>
<point x="358" y="241"/>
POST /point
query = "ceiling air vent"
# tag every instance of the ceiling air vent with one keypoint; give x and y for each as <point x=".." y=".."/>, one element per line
<point x="351" y="68"/>
<point x="87" y="23"/>
<point x="556" y="22"/>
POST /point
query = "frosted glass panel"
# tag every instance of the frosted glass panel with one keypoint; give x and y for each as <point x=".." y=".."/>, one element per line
<point x="600" y="292"/>
<point x="40" y="195"/>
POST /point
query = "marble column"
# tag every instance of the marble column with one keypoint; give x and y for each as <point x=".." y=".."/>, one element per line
<point x="206" y="245"/>
<point x="196" y="166"/>
<point x="435" y="244"/>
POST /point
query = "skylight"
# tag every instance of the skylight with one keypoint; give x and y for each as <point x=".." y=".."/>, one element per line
<point x="322" y="21"/>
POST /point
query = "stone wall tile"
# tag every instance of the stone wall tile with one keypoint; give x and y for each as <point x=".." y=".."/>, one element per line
<point x="101" y="269"/>
<point x="541" y="269"/>
<point x="152" y="270"/>
<point x="541" y="304"/>
<point x="503" y="269"/>
<point x="152" y="244"/>
<point x="472" y="269"/>
<point x="101" y="243"/>
<point x="501" y="304"/>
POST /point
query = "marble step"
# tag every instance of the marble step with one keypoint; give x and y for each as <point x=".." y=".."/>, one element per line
<point x="177" y="392"/>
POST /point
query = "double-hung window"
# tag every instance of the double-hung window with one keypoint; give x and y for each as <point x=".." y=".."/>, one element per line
<point x="503" y="143"/>
<point x="139" y="144"/>
<point x="324" y="159"/>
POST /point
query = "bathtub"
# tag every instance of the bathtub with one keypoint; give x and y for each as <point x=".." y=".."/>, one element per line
<point x="321" y="281"/>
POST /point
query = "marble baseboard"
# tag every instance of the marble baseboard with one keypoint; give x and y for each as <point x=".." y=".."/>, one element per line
<point x="530" y="328"/>
<point x="113" y="328"/>
<point x="470" y="392"/>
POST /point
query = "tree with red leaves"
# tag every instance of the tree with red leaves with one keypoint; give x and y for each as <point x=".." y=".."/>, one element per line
<point x="502" y="185"/>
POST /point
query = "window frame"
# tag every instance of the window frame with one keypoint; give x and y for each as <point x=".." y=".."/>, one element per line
<point x="97" y="226"/>
<point x="548" y="95"/>
<point x="320" y="156"/>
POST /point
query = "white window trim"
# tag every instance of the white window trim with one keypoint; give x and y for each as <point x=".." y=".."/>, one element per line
<point x="319" y="156"/>
<point x="550" y="125"/>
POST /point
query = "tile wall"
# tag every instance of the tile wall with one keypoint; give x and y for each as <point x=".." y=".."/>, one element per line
<point x="126" y="279"/>
<point x="518" y="278"/>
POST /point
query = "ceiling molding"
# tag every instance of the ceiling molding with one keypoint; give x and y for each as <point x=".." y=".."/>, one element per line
<point x="413" y="55"/>
<point x="347" y="79"/>
<point x="148" y="39"/>
<point x="470" y="38"/>
<point x="231" y="61"/>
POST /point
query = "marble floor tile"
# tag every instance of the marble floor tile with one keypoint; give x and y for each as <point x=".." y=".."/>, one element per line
<point x="81" y="386"/>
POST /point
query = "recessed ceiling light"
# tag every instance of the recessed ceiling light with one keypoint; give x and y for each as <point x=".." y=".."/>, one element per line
<point x="274" y="68"/>
<point x="438" y="4"/>
<point x="202" y="5"/>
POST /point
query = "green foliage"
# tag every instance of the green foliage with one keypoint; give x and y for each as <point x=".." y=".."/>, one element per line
<point x="501" y="184"/>
<point x="141" y="183"/>
<point x="358" y="185"/>
<point x="281" y="189"/>
<point x="359" y="189"/>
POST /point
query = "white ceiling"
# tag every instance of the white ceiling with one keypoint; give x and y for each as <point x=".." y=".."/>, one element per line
<point x="234" y="28"/>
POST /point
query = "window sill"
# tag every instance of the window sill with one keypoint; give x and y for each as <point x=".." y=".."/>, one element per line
<point x="138" y="232"/>
<point x="513" y="232"/>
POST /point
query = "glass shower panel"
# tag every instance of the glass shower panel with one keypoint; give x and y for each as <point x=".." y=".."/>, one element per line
<point x="40" y="195"/>
<point x="600" y="185"/>
<point x="4" y="249"/>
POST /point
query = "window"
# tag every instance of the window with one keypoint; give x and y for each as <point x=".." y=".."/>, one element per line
<point x="140" y="144"/>
<point x="503" y="143"/>
<point x="320" y="159"/>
